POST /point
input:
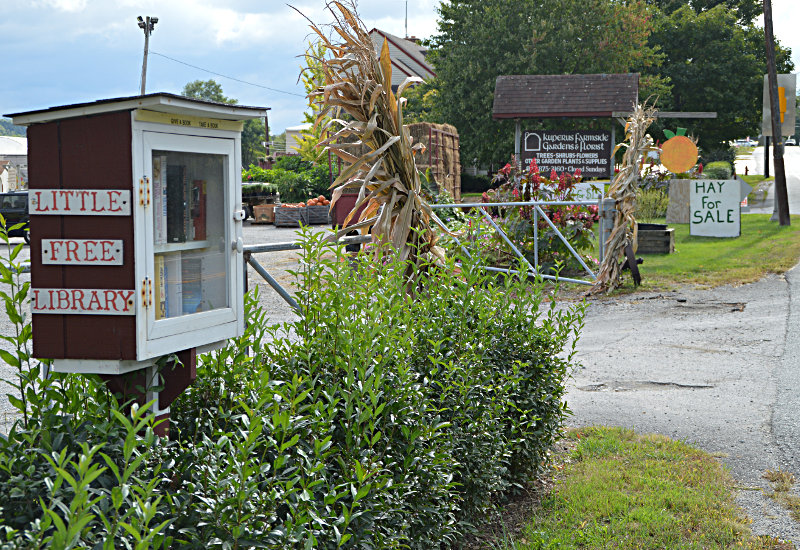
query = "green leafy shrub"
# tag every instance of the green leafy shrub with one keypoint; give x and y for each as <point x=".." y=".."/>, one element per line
<point x="727" y="154"/>
<point x="385" y="417"/>
<point x="719" y="170"/>
<point x="651" y="203"/>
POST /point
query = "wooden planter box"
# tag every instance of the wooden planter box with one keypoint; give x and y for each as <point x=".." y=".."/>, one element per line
<point x="318" y="214"/>
<point x="290" y="217"/>
<point x="264" y="213"/>
<point x="654" y="238"/>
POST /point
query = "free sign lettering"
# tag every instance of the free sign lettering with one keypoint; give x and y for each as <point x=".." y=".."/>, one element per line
<point x="81" y="252"/>
<point x="92" y="301"/>
<point x="80" y="202"/>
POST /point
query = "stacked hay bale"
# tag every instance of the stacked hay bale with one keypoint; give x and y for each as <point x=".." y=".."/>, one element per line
<point x="441" y="155"/>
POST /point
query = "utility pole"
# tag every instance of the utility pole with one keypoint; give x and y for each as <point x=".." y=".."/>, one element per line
<point x="781" y="192"/>
<point x="147" y="26"/>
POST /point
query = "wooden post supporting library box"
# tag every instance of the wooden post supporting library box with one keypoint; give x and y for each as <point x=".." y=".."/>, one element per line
<point x="136" y="236"/>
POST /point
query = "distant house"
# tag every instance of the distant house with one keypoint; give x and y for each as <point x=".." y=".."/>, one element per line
<point x="409" y="58"/>
<point x="13" y="163"/>
<point x="294" y="136"/>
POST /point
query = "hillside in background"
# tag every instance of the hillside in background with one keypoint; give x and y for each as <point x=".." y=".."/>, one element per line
<point x="9" y="129"/>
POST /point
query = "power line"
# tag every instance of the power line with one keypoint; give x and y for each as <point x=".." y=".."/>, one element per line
<point x="226" y="76"/>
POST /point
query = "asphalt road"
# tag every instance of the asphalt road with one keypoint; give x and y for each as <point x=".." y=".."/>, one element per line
<point x="755" y="165"/>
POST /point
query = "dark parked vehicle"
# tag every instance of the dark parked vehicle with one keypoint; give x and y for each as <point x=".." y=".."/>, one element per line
<point x="14" y="208"/>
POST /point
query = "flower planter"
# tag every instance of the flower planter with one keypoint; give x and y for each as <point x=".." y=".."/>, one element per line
<point x="655" y="238"/>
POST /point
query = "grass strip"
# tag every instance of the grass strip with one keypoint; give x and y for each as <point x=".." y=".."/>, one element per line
<point x="763" y="247"/>
<point x="617" y="489"/>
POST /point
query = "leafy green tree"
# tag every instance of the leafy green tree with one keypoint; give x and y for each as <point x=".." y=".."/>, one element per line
<point x="209" y="90"/>
<point x="714" y="63"/>
<point x="7" y="128"/>
<point x="253" y="133"/>
<point x="746" y="10"/>
<point x="479" y="40"/>
<point x="421" y="104"/>
<point x="313" y="77"/>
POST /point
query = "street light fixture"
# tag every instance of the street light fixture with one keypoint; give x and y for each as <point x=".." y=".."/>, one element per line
<point x="147" y="25"/>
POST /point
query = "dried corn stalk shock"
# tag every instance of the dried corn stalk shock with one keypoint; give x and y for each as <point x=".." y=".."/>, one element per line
<point x="380" y="160"/>
<point x="623" y="191"/>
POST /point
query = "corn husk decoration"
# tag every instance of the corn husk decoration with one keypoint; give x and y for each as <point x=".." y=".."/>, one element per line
<point x="623" y="190"/>
<point x="358" y="83"/>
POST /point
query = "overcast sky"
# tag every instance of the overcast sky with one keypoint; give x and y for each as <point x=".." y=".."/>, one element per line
<point x="57" y="52"/>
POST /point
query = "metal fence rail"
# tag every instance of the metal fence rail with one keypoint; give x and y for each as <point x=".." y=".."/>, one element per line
<point x="533" y="270"/>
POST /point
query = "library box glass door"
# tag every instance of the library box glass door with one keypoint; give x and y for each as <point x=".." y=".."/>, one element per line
<point x="189" y="231"/>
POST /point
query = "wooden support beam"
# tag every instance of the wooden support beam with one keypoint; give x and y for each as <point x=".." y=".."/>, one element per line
<point x="672" y="114"/>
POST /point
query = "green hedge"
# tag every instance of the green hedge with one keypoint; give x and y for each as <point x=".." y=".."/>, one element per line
<point x="388" y="416"/>
<point x="718" y="170"/>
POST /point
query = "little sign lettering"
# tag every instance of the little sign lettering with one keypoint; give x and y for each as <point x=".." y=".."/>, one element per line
<point x="81" y="252"/>
<point x="80" y="202"/>
<point x="92" y="301"/>
<point x="715" y="208"/>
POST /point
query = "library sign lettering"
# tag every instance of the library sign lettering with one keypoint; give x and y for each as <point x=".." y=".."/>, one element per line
<point x="66" y="251"/>
<point x="715" y="208"/>
<point x="567" y="151"/>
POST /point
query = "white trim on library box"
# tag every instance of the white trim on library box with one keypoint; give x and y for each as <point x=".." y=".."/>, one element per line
<point x="115" y="366"/>
<point x="156" y="337"/>
<point x="159" y="102"/>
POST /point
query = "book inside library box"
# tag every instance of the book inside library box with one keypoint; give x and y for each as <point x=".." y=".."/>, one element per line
<point x="189" y="233"/>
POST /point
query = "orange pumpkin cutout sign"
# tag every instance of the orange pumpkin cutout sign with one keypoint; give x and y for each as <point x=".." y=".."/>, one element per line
<point x="679" y="153"/>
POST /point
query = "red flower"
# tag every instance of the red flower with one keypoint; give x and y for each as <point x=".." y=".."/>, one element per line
<point x="505" y="170"/>
<point x="515" y="192"/>
<point x="700" y="168"/>
<point x="553" y="175"/>
<point x="562" y="182"/>
<point x="578" y="173"/>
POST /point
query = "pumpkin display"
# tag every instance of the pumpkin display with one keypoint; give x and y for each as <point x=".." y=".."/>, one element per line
<point x="678" y="153"/>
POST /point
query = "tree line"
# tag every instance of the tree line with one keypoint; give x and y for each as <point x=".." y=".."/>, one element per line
<point x="692" y="55"/>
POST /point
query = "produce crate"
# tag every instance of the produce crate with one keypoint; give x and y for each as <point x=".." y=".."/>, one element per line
<point x="318" y="214"/>
<point x="264" y="213"/>
<point x="290" y="217"/>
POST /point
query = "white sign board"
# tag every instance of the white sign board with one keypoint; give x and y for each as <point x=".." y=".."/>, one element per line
<point x="81" y="252"/>
<point x="92" y="301"/>
<point x="714" y="208"/>
<point x="787" y="84"/>
<point x="80" y="202"/>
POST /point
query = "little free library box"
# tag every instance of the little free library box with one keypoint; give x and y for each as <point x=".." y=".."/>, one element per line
<point x="136" y="230"/>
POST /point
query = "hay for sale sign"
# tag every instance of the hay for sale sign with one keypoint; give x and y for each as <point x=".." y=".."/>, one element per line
<point x="714" y="206"/>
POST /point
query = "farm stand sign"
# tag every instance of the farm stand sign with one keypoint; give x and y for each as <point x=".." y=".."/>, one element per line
<point x="714" y="206"/>
<point x="567" y="151"/>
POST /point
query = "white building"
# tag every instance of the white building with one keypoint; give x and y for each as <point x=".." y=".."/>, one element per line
<point x="293" y="136"/>
<point x="13" y="163"/>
